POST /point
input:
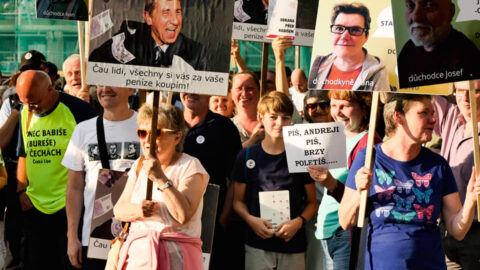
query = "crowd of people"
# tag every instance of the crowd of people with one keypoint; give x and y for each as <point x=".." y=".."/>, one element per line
<point x="420" y="213"/>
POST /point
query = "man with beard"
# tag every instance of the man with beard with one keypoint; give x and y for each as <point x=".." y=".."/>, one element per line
<point x="436" y="52"/>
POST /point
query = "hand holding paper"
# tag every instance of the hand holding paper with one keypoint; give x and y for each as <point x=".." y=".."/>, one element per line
<point x="261" y="227"/>
<point x="288" y="229"/>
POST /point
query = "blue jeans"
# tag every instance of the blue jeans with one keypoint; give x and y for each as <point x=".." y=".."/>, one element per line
<point x="336" y="251"/>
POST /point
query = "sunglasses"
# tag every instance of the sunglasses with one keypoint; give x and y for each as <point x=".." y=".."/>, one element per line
<point x="323" y="105"/>
<point x="142" y="133"/>
<point x="352" y="30"/>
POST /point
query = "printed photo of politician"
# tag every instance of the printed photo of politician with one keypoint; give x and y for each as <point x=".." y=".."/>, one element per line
<point x="349" y="66"/>
<point x="66" y="9"/>
<point x="156" y="35"/>
<point x="432" y="47"/>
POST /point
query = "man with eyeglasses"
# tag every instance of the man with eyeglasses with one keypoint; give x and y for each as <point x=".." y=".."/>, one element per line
<point x="454" y="126"/>
<point x="349" y="66"/>
<point x="47" y="120"/>
<point x="436" y="52"/>
<point x="119" y="124"/>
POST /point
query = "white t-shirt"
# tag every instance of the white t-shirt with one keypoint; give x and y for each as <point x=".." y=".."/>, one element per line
<point x="297" y="98"/>
<point x="82" y="154"/>
<point x="5" y="111"/>
<point x="185" y="167"/>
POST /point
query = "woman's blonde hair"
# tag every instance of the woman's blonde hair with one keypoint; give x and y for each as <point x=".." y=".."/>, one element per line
<point x="400" y="103"/>
<point x="169" y="115"/>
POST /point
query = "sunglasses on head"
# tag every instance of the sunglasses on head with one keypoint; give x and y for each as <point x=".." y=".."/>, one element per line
<point x="323" y="105"/>
<point x="142" y="133"/>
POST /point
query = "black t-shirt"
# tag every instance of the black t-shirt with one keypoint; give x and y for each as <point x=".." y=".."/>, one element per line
<point x="215" y="142"/>
<point x="270" y="173"/>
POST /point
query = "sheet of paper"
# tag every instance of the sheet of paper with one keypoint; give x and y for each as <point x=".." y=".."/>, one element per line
<point x="282" y="17"/>
<point x="275" y="206"/>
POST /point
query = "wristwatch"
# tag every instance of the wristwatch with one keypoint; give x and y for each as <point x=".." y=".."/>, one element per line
<point x="166" y="185"/>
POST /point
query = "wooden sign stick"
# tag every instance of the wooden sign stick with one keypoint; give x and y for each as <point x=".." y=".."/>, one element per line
<point x="169" y="97"/>
<point x="476" y="152"/>
<point x="368" y="157"/>
<point x="153" y="137"/>
<point x="81" y="48"/>
<point x="264" y="68"/>
<point x="87" y="29"/>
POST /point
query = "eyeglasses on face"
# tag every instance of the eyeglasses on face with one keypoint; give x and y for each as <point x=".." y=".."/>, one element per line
<point x="352" y="30"/>
<point x="314" y="106"/>
<point x="142" y="133"/>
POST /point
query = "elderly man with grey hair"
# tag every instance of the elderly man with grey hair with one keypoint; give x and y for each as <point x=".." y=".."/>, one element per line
<point x="436" y="52"/>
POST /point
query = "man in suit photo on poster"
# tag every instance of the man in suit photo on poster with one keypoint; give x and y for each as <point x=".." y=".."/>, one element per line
<point x="436" y="52"/>
<point x="349" y="66"/>
<point x="62" y="9"/>
<point x="156" y="42"/>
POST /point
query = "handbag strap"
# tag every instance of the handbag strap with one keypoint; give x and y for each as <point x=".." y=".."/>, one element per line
<point x="102" y="145"/>
<point x="139" y="167"/>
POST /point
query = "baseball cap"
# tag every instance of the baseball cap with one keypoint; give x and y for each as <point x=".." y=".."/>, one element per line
<point x="32" y="59"/>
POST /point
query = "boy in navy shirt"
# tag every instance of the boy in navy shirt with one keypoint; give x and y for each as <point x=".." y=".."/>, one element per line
<point x="261" y="168"/>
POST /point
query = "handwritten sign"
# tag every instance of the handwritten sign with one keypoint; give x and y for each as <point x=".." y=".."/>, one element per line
<point x="315" y="144"/>
<point x="282" y="16"/>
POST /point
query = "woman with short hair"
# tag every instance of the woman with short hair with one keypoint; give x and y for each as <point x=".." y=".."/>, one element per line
<point x="165" y="231"/>
<point x="409" y="187"/>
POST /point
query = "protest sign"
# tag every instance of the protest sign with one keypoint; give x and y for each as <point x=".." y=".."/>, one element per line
<point x="104" y="226"/>
<point x="442" y="46"/>
<point x="180" y="46"/>
<point x="282" y="15"/>
<point x="379" y="44"/>
<point x="75" y="10"/>
<point x="209" y="213"/>
<point x="315" y="144"/>
<point x="251" y="18"/>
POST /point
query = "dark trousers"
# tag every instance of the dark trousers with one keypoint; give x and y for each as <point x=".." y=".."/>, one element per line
<point x="45" y="240"/>
<point x="466" y="252"/>
<point x="91" y="264"/>
<point x="228" y="246"/>
<point x="13" y="217"/>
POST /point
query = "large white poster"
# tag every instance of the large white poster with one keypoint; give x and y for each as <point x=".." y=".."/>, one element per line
<point x="315" y="144"/>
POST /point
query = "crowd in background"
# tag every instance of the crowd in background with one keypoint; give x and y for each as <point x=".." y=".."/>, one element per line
<point x="236" y="142"/>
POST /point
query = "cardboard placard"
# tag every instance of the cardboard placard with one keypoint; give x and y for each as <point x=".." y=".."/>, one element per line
<point x="74" y="10"/>
<point x="104" y="226"/>
<point x="282" y="16"/>
<point x="437" y="43"/>
<point x="315" y="144"/>
<point x="380" y="45"/>
<point x="186" y="49"/>
<point x="251" y="18"/>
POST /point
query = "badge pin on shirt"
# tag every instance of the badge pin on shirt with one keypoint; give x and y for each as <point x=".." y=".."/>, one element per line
<point x="200" y="139"/>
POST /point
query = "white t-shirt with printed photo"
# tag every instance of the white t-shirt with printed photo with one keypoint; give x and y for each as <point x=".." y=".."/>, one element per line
<point x="82" y="154"/>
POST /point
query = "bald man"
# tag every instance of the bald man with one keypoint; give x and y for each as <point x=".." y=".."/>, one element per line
<point x="436" y="52"/>
<point x="47" y="120"/>
<point x="298" y="89"/>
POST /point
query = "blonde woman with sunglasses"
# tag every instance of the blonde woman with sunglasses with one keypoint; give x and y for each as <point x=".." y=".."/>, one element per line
<point x="164" y="232"/>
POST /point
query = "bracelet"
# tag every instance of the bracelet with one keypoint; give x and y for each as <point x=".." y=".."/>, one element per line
<point x="303" y="219"/>
<point x="21" y="191"/>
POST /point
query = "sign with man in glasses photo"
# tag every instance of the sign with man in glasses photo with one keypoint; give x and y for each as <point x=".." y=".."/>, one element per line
<point x="342" y="61"/>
